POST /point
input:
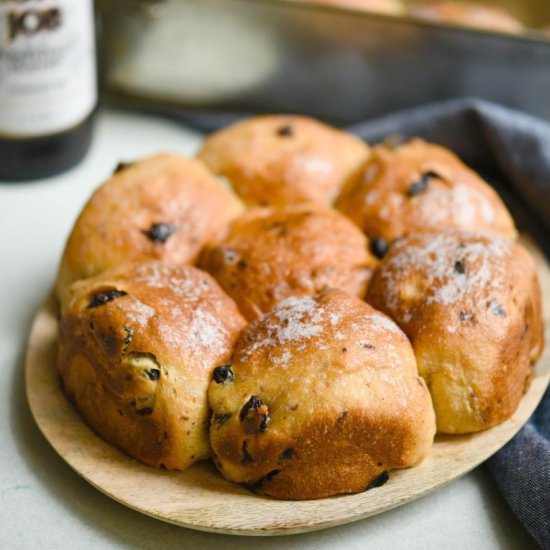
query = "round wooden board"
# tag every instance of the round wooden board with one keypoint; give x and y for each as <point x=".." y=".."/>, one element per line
<point x="200" y="499"/>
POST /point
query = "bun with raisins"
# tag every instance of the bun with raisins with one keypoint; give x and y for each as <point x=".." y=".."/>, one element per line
<point x="284" y="159"/>
<point x="471" y="306"/>
<point x="420" y="186"/>
<point x="137" y="347"/>
<point x="269" y="255"/>
<point x="163" y="207"/>
<point x="322" y="397"/>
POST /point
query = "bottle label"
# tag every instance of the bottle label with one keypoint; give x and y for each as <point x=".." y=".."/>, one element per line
<point x="47" y="65"/>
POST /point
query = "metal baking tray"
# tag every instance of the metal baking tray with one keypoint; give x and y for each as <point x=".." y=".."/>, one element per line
<point x="339" y="64"/>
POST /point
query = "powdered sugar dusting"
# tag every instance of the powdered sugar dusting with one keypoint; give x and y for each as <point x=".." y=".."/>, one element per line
<point x="158" y="275"/>
<point x="379" y="322"/>
<point x="487" y="211"/>
<point x="200" y="332"/>
<point x="334" y="319"/>
<point x="206" y="330"/>
<point x="488" y="275"/>
<point x="186" y="316"/>
<point x="137" y="312"/>
<point x="152" y="274"/>
<point x="285" y="357"/>
<point x="458" y="205"/>
<point x="296" y="319"/>
<point x="452" y="266"/>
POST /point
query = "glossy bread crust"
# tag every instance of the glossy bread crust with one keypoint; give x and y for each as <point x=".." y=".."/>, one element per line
<point x="279" y="160"/>
<point x="419" y="186"/>
<point x="137" y="347"/>
<point x="471" y="306"/>
<point x="165" y="207"/>
<point x="324" y="399"/>
<point x="269" y="255"/>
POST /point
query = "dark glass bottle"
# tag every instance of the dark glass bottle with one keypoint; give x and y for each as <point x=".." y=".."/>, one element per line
<point x="48" y="90"/>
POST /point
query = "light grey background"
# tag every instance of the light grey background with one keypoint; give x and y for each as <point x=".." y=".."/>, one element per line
<point x="45" y="505"/>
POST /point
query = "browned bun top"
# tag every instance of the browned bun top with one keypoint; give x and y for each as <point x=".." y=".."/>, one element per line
<point x="469" y="14"/>
<point x="438" y="271"/>
<point x="322" y="397"/>
<point x="269" y="255"/>
<point x="279" y="160"/>
<point x="420" y="186"/>
<point x="471" y="305"/>
<point x="165" y="207"/>
<point x="137" y="346"/>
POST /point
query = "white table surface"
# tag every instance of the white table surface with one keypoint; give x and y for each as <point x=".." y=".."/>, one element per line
<point x="45" y="505"/>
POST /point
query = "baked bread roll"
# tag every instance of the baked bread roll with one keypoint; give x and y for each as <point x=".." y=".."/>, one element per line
<point x="471" y="306"/>
<point x="468" y="14"/>
<point x="269" y="255"/>
<point x="284" y="159"/>
<point x="137" y="347"/>
<point x="420" y="186"/>
<point x="163" y="207"/>
<point x="322" y="397"/>
<point x="389" y="7"/>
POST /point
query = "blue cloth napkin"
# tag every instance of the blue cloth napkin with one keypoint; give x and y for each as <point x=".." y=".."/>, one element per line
<point x="512" y="151"/>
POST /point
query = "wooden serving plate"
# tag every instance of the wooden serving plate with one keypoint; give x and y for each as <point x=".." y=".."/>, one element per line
<point x="200" y="498"/>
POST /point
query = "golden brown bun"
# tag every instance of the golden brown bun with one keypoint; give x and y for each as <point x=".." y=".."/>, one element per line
<point x="284" y="159"/>
<point x="137" y="347"/>
<point x="420" y="186"/>
<point x="269" y="255"/>
<point x="163" y="207"/>
<point x="390" y="7"/>
<point x="469" y="14"/>
<point x="323" y="397"/>
<point x="471" y="305"/>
